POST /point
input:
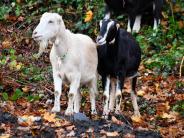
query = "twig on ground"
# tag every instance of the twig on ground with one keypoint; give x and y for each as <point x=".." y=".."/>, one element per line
<point x="181" y="66"/>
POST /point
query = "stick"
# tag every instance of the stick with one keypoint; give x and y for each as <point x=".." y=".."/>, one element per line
<point x="181" y="66"/>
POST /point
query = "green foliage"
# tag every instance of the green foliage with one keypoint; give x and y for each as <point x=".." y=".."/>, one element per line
<point x="19" y="94"/>
<point x="4" y="10"/>
<point x="163" y="51"/>
<point x="32" y="98"/>
<point x="179" y="107"/>
<point x="16" y="95"/>
<point x="5" y="96"/>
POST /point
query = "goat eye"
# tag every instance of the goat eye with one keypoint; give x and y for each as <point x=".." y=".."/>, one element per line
<point x="50" y="21"/>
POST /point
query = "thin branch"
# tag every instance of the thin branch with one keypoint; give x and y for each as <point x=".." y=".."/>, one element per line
<point x="171" y="6"/>
<point x="181" y="66"/>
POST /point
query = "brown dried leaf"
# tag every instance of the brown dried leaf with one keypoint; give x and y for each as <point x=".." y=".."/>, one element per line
<point x="128" y="135"/>
<point x="116" y="121"/>
<point x="110" y="134"/>
<point x="50" y="117"/>
<point x="25" y="89"/>
<point x="140" y="93"/>
<point x="70" y="127"/>
<point x="136" y="119"/>
<point x="6" y="44"/>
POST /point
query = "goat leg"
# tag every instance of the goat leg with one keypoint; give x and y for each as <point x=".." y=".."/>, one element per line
<point x="57" y="89"/>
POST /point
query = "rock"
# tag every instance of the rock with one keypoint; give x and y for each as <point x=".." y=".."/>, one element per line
<point x="80" y="117"/>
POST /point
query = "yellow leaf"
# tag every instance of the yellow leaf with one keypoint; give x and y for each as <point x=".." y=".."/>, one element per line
<point x="136" y="119"/>
<point x="6" y="44"/>
<point x="49" y="117"/>
<point x="5" y="136"/>
<point x="58" y="124"/>
<point x="18" y="67"/>
<point x="168" y="116"/>
<point x="25" y="89"/>
<point x="140" y="93"/>
<point x="89" y="16"/>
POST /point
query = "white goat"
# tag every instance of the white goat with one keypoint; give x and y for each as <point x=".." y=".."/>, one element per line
<point x="73" y="58"/>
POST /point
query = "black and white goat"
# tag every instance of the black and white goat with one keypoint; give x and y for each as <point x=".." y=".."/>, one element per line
<point x="119" y="57"/>
<point x="135" y="9"/>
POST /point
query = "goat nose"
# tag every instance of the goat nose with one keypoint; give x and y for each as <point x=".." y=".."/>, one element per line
<point x="34" y="33"/>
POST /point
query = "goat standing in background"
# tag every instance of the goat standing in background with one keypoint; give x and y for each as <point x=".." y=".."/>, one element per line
<point x="73" y="58"/>
<point x="135" y="9"/>
<point x="119" y="57"/>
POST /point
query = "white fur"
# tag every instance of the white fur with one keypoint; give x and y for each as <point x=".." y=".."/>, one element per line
<point x="102" y="41"/>
<point x="137" y="24"/>
<point x="155" y="27"/>
<point x="112" y="95"/>
<point x="118" y="93"/>
<point x="134" y="103"/>
<point x="73" y="58"/>
<point x="106" y="95"/>
<point x="128" y="26"/>
<point x="107" y="16"/>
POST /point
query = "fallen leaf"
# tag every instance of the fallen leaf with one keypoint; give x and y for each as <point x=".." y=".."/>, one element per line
<point x="140" y="93"/>
<point x="136" y="119"/>
<point x="21" y="19"/>
<point x="110" y="134"/>
<point x="6" y="44"/>
<point x="66" y="123"/>
<point x="18" y="1"/>
<point x="70" y="127"/>
<point x="89" y="16"/>
<point x="18" y="66"/>
<point x="5" y="136"/>
<point x="27" y="120"/>
<point x="50" y="117"/>
<point x="25" y="89"/>
<point x="58" y="124"/>
<point x="116" y="121"/>
<point x="181" y="24"/>
<point x="71" y="134"/>
<point x="168" y="116"/>
<point x="128" y="135"/>
<point x="23" y="124"/>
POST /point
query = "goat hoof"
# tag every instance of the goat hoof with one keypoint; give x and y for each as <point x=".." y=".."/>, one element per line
<point x="117" y="112"/>
<point x="69" y="112"/>
<point x="105" y="116"/>
<point x="106" y="113"/>
<point x="136" y="30"/>
<point x="129" y="30"/>
<point x="94" y="112"/>
<point x="137" y="113"/>
<point x="55" y="109"/>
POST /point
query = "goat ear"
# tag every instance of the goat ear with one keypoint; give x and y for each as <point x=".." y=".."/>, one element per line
<point x="60" y="19"/>
<point x="118" y="25"/>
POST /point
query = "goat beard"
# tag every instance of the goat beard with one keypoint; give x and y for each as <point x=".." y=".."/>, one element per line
<point x="42" y="48"/>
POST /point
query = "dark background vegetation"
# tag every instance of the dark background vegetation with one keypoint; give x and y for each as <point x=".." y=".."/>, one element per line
<point x="24" y="79"/>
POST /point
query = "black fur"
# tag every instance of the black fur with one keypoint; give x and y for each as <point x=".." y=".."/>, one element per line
<point x="135" y="7"/>
<point x="120" y="59"/>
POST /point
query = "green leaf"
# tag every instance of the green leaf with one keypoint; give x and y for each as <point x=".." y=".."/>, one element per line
<point x="17" y="94"/>
<point x="5" y="96"/>
<point x="32" y="98"/>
